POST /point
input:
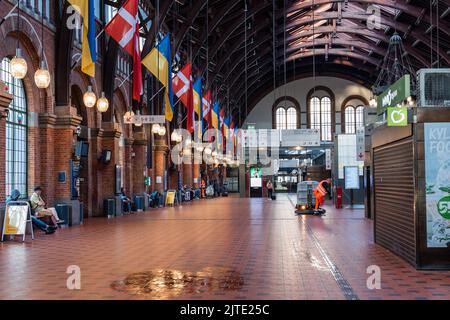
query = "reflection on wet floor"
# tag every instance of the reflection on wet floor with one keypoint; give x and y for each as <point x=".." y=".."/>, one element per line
<point x="167" y="284"/>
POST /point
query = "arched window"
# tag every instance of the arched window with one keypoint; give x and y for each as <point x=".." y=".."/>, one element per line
<point x="320" y="116"/>
<point x="16" y="133"/>
<point x="354" y="118"/>
<point x="286" y="114"/>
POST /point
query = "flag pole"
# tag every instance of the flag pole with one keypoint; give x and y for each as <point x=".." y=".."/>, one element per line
<point x="9" y="13"/>
<point x="79" y="58"/>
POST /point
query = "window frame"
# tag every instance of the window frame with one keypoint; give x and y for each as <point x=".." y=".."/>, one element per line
<point x="279" y="104"/>
<point x="22" y="129"/>
<point x="332" y="116"/>
<point x="350" y="101"/>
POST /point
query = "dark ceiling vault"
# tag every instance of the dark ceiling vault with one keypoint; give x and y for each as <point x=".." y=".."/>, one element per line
<point x="333" y="35"/>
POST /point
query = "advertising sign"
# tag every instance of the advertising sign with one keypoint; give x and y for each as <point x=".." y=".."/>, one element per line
<point x="437" y="178"/>
<point x="170" y="198"/>
<point x="351" y="176"/>
<point x="395" y="94"/>
<point x="397" y="117"/>
<point x="15" y="220"/>
<point x="255" y="177"/>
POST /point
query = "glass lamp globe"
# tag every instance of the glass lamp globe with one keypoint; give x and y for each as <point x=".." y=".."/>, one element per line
<point x="162" y="131"/>
<point x="155" y="128"/>
<point x="42" y="77"/>
<point x="89" y="98"/>
<point x="174" y="136"/>
<point x="19" y="66"/>
<point x="102" y="103"/>
<point x="199" y="148"/>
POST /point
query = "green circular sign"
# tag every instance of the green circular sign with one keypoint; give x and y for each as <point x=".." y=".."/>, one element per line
<point x="443" y="207"/>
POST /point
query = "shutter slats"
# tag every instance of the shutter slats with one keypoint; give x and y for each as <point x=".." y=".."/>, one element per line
<point x="394" y="199"/>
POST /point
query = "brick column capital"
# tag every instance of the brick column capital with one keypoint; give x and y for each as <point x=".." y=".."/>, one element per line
<point x="140" y="139"/>
<point x="46" y="120"/>
<point x="111" y="130"/>
<point x="161" y="146"/>
<point x="129" y="141"/>
<point x="96" y="132"/>
<point x="5" y="100"/>
<point x="67" y="116"/>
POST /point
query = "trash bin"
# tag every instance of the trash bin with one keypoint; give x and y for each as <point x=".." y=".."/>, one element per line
<point x="138" y="203"/>
<point x="64" y="213"/>
<point x="109" y="207"/>
<point x="338" y="198"/>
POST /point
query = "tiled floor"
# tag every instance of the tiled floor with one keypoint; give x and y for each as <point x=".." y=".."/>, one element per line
<point x="228" y="248"/>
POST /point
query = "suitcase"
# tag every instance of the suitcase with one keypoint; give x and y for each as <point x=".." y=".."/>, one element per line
<point x="274" y="197"/>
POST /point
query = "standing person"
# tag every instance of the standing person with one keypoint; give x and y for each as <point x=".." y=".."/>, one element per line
<point x="39" y="207"/>
<point x="269" y="187"/>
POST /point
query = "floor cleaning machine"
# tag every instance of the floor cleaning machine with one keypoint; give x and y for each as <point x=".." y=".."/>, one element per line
<point x="306" y="200"/>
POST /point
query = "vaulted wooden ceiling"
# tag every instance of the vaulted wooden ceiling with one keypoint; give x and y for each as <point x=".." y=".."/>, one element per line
<point x="331" y="35"/>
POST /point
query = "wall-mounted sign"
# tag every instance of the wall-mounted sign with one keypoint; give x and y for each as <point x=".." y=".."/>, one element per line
<point x="159" y="179"/>
<point x="328" y="159"/>
<point x="395" y="94"/>
<point x="437" y="179"/>
<point x="147" y="181"/>
<point x="360" y="143"/>
<point x="351" y="176"/>
<point x="397" y="117"/>
<point x="300" y="138"/>
<point x="144" y="119"/>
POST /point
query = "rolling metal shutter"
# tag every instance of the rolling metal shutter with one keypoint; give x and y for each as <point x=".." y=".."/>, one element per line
<point x="394" y="198"/>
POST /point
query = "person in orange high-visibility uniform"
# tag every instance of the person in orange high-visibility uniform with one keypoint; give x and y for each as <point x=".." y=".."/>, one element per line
<point x="320" y="191"/>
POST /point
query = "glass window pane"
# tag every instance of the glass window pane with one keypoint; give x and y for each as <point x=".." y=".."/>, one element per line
<point x="350" y="119"/>
<point x="292" y="118"/>
<point x="359" y="122"/>
<point x="281" y="118"/>
<point x="16" y="133"/>
<point x="325" y="118"/>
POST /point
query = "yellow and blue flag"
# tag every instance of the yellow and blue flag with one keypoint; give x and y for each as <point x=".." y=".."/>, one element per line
<point x="198" y="105"/>
<point x="86" y="9"/>
<point x="226" y="127"/>
<point x="159" y="62"/>
<point x="215" y="115"/>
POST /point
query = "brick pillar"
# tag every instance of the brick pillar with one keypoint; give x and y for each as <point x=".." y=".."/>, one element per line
<point x="160" y="153"/>
<point x="129" y="167"/>
<point x="5" y="100"/>
<point x="139" y="161"/>
<point x="66" y="123"/>
<point x="110" y="141"/>
<point x="196" y="175"/>
<point x="95" y="148"/>
<point x="187" y="174"/>
<point x="47" y="154"/>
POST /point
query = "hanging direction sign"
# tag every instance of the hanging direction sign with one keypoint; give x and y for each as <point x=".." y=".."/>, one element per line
<point x="145" y="119"/>
<point x="300" y="138"/>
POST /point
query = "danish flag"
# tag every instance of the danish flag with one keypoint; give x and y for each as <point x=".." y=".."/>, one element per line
<point x="124" y="28"/>
<point x="182" y="86"/>
<point x="207" y="108"/>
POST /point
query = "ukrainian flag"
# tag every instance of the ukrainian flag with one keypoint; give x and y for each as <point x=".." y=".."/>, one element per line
<point x="198" y="104"/>
<point x="215" y="115"/>
<point x="226" y="127"/>
<point x="159" y="62"/>
<point x="86" y="9"/>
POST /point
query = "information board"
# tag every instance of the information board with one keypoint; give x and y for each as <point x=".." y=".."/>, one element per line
<point x="351" y="176"/>
<point x="170" y="197"/>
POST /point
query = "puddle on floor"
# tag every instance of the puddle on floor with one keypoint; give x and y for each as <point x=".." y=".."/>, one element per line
<point x="172" y="283"/>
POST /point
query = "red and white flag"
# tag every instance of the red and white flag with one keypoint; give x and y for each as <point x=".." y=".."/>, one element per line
<point x="124" y="28"/>
<point x="207" y="106"/>
<point x="182" y="87"/>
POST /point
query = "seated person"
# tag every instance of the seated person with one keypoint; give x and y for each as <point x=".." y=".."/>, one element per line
<point x="157" y="199"/>
<point x="40" y="209"/>
<point x="125" y="201"/>
<point x="15" y="195"/>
